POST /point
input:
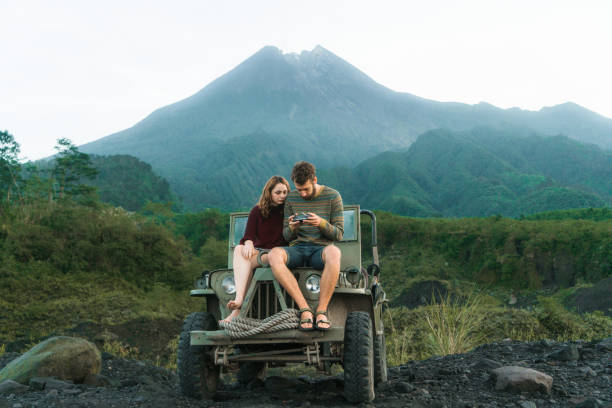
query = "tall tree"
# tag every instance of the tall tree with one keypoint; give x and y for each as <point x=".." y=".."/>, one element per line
<point x="70" y="167"/>
<point x="10" y="168"/>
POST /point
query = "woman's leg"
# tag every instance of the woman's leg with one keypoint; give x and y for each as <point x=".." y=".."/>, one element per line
<point x="243" y="272"/>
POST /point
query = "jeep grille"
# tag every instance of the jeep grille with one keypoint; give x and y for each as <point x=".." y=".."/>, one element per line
<point x="265" y="303"/>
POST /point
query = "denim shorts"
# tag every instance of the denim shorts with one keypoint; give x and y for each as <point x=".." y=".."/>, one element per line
<point x="305" y="254"/>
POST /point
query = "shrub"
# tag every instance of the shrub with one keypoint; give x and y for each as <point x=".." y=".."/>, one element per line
<point x="454" y="324"/>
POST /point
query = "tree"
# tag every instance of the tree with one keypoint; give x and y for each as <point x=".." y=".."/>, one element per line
<point x="69" y="168"/>
<point x="10" y="168"/>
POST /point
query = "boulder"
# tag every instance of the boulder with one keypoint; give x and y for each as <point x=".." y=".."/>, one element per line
<point x="519" y="379"/>
<point x="403" y="387"/>
<point x="97" y="380"/>
<point x="606" y="344"/>
<point x="48" y="383"/>
<point x="66" y="358"/>
<point x="486" y="364"/>
<point x="567" y="353"/>
<point x="12" y="387"/>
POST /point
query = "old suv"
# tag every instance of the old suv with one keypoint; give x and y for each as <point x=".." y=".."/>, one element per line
<point x="356" y="339"/>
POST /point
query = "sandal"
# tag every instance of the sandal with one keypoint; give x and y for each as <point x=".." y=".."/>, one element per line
<point x="305" y="321"/>
<point x="326" y="321"/>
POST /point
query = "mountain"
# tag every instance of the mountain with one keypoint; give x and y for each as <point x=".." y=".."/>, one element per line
<point x="481" y="172"/>
<point x="218" y="147"/>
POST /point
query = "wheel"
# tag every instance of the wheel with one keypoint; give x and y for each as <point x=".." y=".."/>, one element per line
<point x="380" y="359"/>
<point x="358" y="358"/>
<point x="250" y="371"/>
<point x="198" y="375"/>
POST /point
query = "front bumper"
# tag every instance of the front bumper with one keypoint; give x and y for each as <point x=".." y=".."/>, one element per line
<point x="221" y="337"/>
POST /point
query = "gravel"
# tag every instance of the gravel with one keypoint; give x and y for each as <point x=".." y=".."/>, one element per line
<point x="461" y="380"/>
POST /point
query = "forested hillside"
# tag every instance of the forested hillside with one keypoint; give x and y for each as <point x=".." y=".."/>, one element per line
<point x="482" y="172"/>
<point x="128" y="182"/>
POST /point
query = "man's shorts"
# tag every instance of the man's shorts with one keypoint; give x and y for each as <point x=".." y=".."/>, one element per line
<point x="304" y="254"/>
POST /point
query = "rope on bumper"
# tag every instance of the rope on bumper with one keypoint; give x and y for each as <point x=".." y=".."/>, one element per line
<point x="243" y="327"/>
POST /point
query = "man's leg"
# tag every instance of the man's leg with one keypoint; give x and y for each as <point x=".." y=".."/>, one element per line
<point x="278" y="259"/>
<point x="329" y="278"/>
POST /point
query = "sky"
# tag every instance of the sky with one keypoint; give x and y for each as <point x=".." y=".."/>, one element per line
<point x="82" y="69"/>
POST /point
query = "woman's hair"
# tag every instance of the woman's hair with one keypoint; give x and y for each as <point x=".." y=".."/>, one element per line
<point x="265" y="200"/>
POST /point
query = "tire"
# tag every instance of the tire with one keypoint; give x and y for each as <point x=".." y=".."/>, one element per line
<point x="250" y="371"/>
<point x="358" y="358"/>
<point x="380" y="359"/>
<point x="198" y="375"/>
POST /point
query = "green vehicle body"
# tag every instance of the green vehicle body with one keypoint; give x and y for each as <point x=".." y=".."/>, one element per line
<point x="357" y="290"/>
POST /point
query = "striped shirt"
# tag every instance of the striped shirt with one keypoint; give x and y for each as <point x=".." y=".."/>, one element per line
<point x="327" y="204"/>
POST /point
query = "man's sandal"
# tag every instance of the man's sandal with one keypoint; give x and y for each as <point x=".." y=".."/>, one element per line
<point x="306" y="321"/>
<point x="325" y="322"/>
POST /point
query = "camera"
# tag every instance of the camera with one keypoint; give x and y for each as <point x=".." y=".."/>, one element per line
<point x="300" y="217"/>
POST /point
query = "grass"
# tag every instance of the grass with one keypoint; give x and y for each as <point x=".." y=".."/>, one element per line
<point x="120" y="349"/>
<point x="46" y="304"/>
<point x="458" y="324"/>
<point x="454" y="324"/>
<point x="41" y="304"/>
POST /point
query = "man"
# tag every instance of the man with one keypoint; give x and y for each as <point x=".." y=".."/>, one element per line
<point x="310" y="242"/>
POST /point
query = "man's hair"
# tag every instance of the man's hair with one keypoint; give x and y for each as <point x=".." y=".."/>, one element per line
<point x="303" y="172"/>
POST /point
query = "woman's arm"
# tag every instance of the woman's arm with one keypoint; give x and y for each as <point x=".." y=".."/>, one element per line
<point x="250" y="232"/>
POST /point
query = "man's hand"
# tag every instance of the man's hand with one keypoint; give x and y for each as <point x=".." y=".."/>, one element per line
<point x="248" y="250"/>
<point x="313" y="219"/>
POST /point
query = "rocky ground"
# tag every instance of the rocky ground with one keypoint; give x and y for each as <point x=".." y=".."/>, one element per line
<point x="581" y="377"/>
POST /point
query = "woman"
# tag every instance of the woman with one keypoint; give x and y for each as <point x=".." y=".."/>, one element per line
<point x="264" y="230"/>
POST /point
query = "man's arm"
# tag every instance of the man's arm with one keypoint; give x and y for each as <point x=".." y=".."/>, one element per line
<point x="334" y="229"/>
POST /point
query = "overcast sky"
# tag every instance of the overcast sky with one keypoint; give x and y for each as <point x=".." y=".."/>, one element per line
<point x="85" y="69"/>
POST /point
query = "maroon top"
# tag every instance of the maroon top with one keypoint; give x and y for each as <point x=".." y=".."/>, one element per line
<point x="265" y="233"/>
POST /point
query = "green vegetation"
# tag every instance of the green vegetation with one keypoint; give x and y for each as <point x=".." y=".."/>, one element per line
<point x="593" y="214"/>
<point x="66" y="258"/>
<point x="493" y="251"/>
<point x="481" y="172"/>
<point x="453" y="323"/>
<point x="127" y="182"/>
<point x="68" y="261"/>
<point x="461" y="323"/>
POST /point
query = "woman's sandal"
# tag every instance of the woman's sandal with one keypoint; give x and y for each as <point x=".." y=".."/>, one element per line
<point x="326" y="321"/>
<point x="306" y="321"/>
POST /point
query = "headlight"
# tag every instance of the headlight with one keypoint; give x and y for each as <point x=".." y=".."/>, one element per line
<point x="312" y="283"/>
<point x="228" y="285"/>
<point x="353" y="275"/>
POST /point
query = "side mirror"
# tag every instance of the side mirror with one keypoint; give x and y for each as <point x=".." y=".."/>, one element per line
<point x="374" y="270"/>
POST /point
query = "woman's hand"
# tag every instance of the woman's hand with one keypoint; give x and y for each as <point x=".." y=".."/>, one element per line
<point x="248" y="250"/>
